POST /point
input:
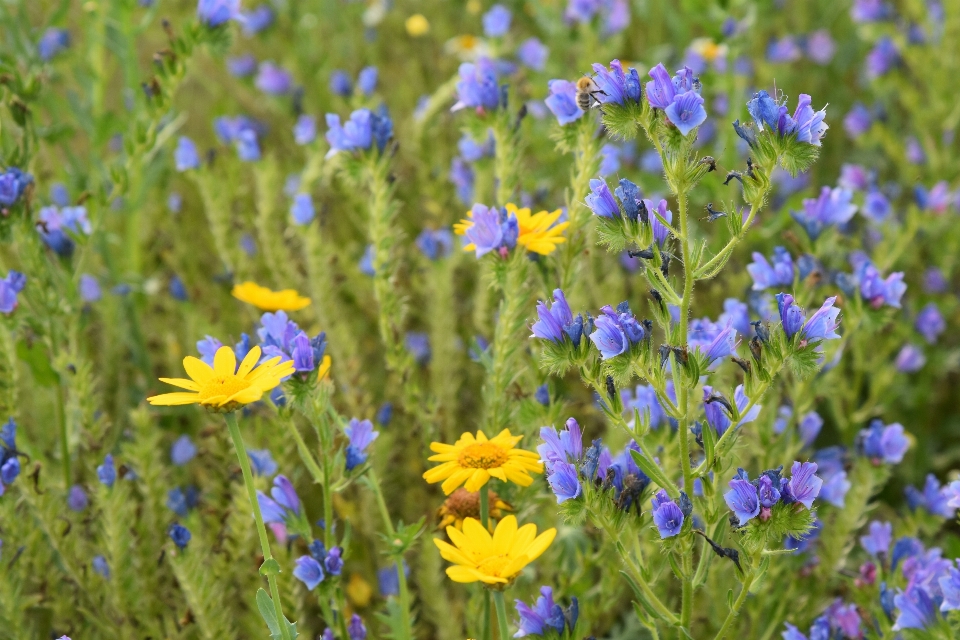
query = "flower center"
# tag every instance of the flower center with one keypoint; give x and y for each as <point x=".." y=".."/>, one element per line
<point x="482" y="455"/>
<point x="494" y="565"/>
<point x="222" y="386"/>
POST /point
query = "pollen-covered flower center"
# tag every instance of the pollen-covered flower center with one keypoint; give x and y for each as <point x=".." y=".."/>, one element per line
<point x="494" y="565"/>
<point x="482" y="455"/>
<point x="222" y="386"/>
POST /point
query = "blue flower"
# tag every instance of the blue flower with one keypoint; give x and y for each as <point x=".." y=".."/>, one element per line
<point x="302" y="209"/>
<point x="667" y="516"/>
<point x="361" y="435"/>
<point x="883" y="57"/>
<point x="552" y="320"/>
<point x="418" y="344"/>
<point x="462" y="177"/>
<point x="13" y="182"/>
<point x="355" y="628"/>
<point x="743" y="499"/>
<point x="910" y="359"/>
<point x="101" y="567"/>
<point x="562" y="102"/>
<point x="257" y="20"/>
<point x="601" y="201"/>
<point x="950" y="586"/>
<point x="686" y="112"/>
<point x="107" y="473"/>
<point x="208" y="348"/>
<point x="822" y="325"/>
<point x="214" y="13"/>
<point x="565" y="446"/>
<point x="803" y="486"/>
<point x="77" y="499"/>
<point x="52" y="42"/>
<point x="543" y="616"/>
<point x="435" y="243"/>
<point x="178" y="502"/>
<point x="388" y="579"/>
<point x="284" y="505"/>
<point x="242" y="66"/>
<point x="783" y="49"/>
<point x="182" y="451"/>
<point x="778" y="274"/>
<point x="644" y="401"/>
<point x="89" y="288"/>
<point x="262" y="462"/>
<point x="333" y="563"/>
<point x="564" y="481"/>
<point x="367" y="80"/>
<point x="869" y="11"/>
<point x="477" y="87"/>
<point x="609" y="336"/>
<point x="809" y="427"/>
<point x="10" y="286"/>
<point x="930" y="322"/>
<point x="180" y="535"/>
<point x="857" y="121"/>
<point x="305" y="130"/>
<point x="308" y="571"/>
<point x="533" y="54"/>
<point x="832" y="207"/>
<point x="878" y="541"/>
<point x="718" y="418"/>
<point x="616" y="86"/>
<point x="766" y="492"/>
<point x="340" y="83"/>
<point x="660" y="232"/>
<point x="496" y="21"/>
<point x="883" y="443"/>
<point x="917" y="609"/>
<point x="486" y="232"/>
<point x="472" y="151"/>
<point x="185" y="156"/>
<point x="355" y="134"/>
<point x="791" y="316"/>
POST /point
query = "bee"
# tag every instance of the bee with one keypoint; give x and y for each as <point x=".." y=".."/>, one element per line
<point x="586" y="89"/>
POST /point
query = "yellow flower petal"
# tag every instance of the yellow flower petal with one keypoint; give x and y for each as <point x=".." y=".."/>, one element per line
<point x="249" y="362"/>
<point x="183" y="384"/>
<point x="197" y="369"/>
<point x="225" y="362"/>
<point x="173" y="399"/>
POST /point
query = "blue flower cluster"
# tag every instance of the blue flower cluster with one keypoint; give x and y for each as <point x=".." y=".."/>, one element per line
<point x="679" y="97"/>
<point x="360" y="132"/>
<point x="751" y="499"/>
<point x="9" y="461"/>
<point x="545" y="615"/>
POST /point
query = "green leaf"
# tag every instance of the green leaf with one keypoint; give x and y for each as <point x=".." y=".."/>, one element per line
<point x="33" y="354"/>
<point x="270" y="567"/>
<point x="654" y="472"/>
<point x="265" y="605"/>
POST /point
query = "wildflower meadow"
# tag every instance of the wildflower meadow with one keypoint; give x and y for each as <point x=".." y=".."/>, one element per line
<point x="479" y="319"/>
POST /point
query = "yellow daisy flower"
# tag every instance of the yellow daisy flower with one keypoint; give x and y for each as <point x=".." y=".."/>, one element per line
<point x="538" y="231"/>
<point x="474" y="460"/>
<point x="495" y="560"/>
<point x="267" y="300"/>
<point x="464" y="504"/>
<point x="224" y="387"/>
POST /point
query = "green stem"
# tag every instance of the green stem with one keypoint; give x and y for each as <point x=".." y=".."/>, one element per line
<point x="64" y="437"/>
<point x="305" y="455"/>
<point x="501" y="614"/>
<point x="686" y="602"/>
<point x="241" y="450"/>
<point x="401" y="575"/>
<point x="736" y="607"/>
<point x="484" y="520"/>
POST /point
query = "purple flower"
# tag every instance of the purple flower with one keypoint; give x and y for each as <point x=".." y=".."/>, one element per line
<point x="910" y="359"/>
<point x="820" y="46"/>
<point x="915" y="152"/>
<point x="462" y="177"/>
<point x="544" y="615"/>
<point x="52" y="42"/>
<point x="340" y="83"/>
<point x="242" y="66"/>
<point x="831" y="207"/>
<point x="361" y="435"/>
<point x="879" y="291"/>
<point x="854" y="177"/>
<point x="308" y="571"/>
<point x="435" y="243"/>
<point x="735" y="314"/>
<point x="106" y="472"/>
<point x="644" y="401"/>
<point x="333" y="563"/>
<point x="305" y="131"/>
<point x="285" y="500"/>
<point x="835" y="487"/>
<point x="562" y="102"/>
<point x="89" y="288"/>
<point x="660" y="232"/>
<point x="784" y="49"/>
<point x="869" y="11"/>
<point x="214" y="13"/>
<point x="77" y="499"/>
<point x="486" y="232"/>
<point x="565" y="446"/>
<point x="552" y="320"/>
<point x="609" y="336"/>
<point x="533" y="54"/>
<point x="743" y="499"/>
<point x="355" y="629"/>
<point x="809" y="427"/>
<point x="930" y="322"/>
<point x="878" y="540"/>
<point x="857" y="121"/>
<point x="471" y="151"/>
<point x="767" y="492"/>
<point x="686" y="112"/>
<point x="876" y="207"/>
<point x="478" y="86"/>
<point x="100" y="566"/>
<point x="496" y="21"/>
<point x="934" y="281"/>
<point x="367" y="80"/>
<point x="610" y="160"/>
<point x="182" y="451"/>
<point x="844" y="618"/>
<point x="667" y="516"/>
<point x="882" y="57"/>
<point x="822" y="325"/>
<point x="616" y="86"/>
<point x="883" y="443"/>
<point x="804" y="486"/>
<point x="950" y="586"/>
<point x="765" y="274"/>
